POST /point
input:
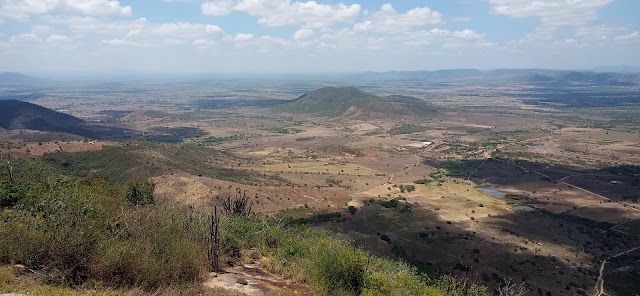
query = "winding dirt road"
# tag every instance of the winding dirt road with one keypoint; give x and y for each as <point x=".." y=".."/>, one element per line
<point x="599" y="288"/>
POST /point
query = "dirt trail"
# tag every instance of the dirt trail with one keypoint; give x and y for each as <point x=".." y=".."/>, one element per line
<point x="599" y="288"/>
<point x="253" y="280"/>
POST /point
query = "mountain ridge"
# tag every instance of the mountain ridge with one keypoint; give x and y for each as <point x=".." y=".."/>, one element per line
<point x="15" y="115"/>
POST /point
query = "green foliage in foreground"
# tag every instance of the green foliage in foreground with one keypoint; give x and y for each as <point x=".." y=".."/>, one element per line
<point x="74" y="231"/>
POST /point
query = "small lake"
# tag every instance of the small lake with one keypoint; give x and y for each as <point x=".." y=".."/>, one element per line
<point x="523" y="209"/>
<point x="546" y="147"/>
<point x="492" y="191"/>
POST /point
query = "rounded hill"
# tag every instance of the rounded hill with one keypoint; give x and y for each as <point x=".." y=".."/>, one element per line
<point x="353" y="102"/>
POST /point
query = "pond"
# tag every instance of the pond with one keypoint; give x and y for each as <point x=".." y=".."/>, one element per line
<point x="546" y="147"/>
<point x="492" y="191"/>
<point x="523" y="209"/>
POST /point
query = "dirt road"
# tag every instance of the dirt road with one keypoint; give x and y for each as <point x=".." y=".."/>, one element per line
<point x="599" y="288"/>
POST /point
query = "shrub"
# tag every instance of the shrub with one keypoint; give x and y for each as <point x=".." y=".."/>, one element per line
<point x="423" y="181"/>
<point x="140" y="193"/>
<point x="333" y="267"/>
<point x="452" y="286"/>
<point x="352" y="210"/>
<point x="393" y="203"/>
<point x="9" y="194"/>
<point x="74" y="230"/>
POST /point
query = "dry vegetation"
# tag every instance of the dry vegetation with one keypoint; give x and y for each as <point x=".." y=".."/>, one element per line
<point x="550" y="232"/>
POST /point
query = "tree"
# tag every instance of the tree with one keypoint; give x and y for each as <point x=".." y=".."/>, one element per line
<point x="509" y="288"/>
<point x="9" y="194"/>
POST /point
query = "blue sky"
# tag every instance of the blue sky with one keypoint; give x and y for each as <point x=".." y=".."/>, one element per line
<point x="190" y="36"/>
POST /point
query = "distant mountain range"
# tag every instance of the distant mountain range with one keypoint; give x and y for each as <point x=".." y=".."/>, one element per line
<point x="354" y="103"/>
<point x="536" y="77"/>
<point x="16" y="115"/>
<point x="8" y="78"/>
<point x="616" y="69"/>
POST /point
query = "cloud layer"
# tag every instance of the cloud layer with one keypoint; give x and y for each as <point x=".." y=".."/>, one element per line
<point x="281" y="35"/>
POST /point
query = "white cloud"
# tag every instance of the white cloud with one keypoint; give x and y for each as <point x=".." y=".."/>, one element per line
<point x="203" y="43"/>
<point x="94" y="7"/>
<point x="22" y="9"/>
<point x="387" y="20"/>
<point x="444" y="37"/>
<point x="218" y="8"/>
<point x="57" y="39"/>
<point x="583" y="36"/>
<point x="303" y="34"/>
<point x="180" y="31"/>
<point x="552" y="13"/>
<point x="274" y="13"/>
<point x="243" y="37"/>
<point x="92" y="25"/>
<point x="140" y="32"/>
<point x="120" y="43"/>
<point x="24" y="39"/>
<point x="630" y="36"/>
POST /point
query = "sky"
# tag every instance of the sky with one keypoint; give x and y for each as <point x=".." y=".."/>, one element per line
<point x="264" y="36"/>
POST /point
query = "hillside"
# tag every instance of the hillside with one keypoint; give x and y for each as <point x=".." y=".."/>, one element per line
<point x="23" y="97"/>
<point x="22" y="115"/>
<point x="352" y="102"/>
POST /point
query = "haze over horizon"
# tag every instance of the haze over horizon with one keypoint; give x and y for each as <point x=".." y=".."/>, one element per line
<point x="263" y="36"/>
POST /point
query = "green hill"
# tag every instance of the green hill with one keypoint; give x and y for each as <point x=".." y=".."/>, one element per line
<point x="352" y="102"/>
<point x="22" y="115"/>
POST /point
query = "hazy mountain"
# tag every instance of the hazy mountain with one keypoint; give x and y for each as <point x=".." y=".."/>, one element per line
<point x="575" y="78"/>
<point x="352" y="102"/>
<point x="538" y="77"/>
<point x="23" y="97"/>
<point x="8" y="78"/>
<point x="617" y="69"/>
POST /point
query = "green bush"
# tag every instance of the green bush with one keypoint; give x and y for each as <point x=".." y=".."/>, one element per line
<point x="423" y="181"/>
<point x="393" y="203"/>
<point x="333" y="267"/>
<point x="73" y="230"/>
<point x="140" y="192"/>
<point x="9" y="194"/>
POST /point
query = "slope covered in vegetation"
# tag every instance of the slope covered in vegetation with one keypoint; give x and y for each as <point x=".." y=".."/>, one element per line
<point x="73" y="231"/>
